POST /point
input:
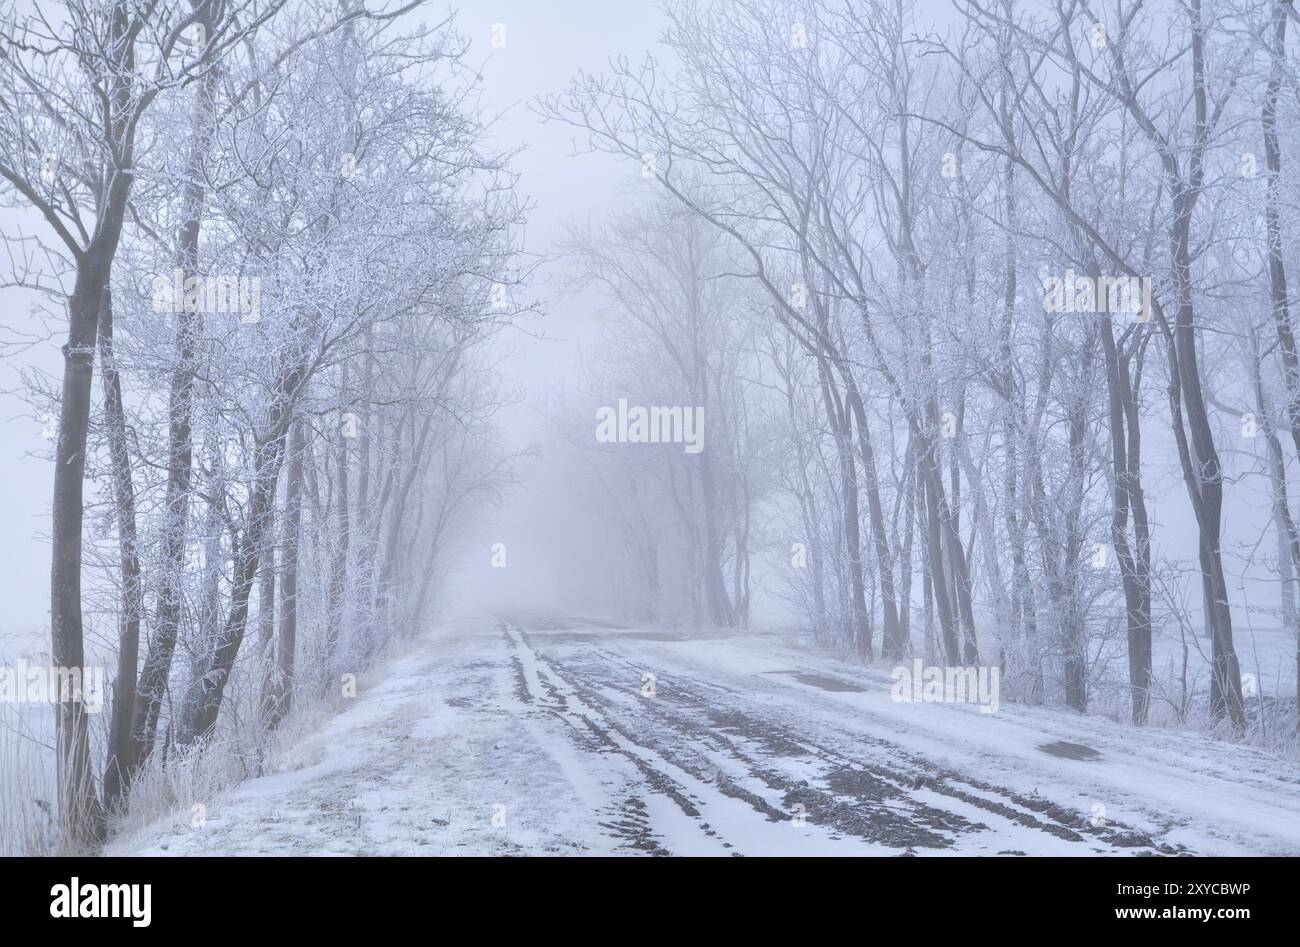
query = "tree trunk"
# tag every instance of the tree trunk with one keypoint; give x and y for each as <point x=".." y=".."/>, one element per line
<point x="339" y="564"/>
<point x="266" y="621"/>
<point x="80" y="814"/>
<point x="841" y="425"/>
<point x="287" y="643"/>
<point x="132" y="604"/>
<point x="894" y="644"/>
<point x="1134" y="558"/>
<point x="1207" y="477"/>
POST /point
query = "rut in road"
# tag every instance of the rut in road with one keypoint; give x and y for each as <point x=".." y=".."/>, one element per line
<point x="694" y="740"/>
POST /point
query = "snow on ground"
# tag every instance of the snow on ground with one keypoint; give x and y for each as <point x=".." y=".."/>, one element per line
<point x="544" y="735"/>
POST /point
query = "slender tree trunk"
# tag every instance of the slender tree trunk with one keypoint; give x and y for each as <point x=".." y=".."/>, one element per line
<point x="721" y="612"/>
<point x="1207" y="477"/>
<point x="894" y="643"/>
<point x="809" y="513"/>
<point x="841" y="426"/>
<point x="266" y="620"/>
<point x="339" y="565"/>
<point x="905" y="546"/>
<point x="1134" y="558"/>
<point x="80" y="814"/>
<point x="132" y="605"/>
<point x="938" y="570"/>
<point x="1075" y="638"/>
<point x="288" y="639"/>
<point x="960" y="582"/>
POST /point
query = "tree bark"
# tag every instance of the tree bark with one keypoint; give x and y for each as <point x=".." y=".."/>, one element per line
<point x="131" y="606"/>
<point x="286" y="645"/>
<point x="80" y="813"/>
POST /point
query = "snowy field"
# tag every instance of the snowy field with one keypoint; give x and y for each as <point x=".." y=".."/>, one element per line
<point x="547" y="735"/>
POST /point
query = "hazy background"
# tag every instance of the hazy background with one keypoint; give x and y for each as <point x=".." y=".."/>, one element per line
<point x="546" y="42"/>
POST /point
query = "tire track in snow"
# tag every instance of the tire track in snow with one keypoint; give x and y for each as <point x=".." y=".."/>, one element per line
<point x="890" y="796"/>
<point x="923" y="777"/>
<point x="719" y="819"/>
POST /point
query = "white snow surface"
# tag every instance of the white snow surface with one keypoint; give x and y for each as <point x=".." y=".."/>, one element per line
<point x="540" y="735"/>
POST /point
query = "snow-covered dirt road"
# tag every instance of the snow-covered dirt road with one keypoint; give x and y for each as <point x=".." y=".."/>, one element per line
<point x="546" y="735"/>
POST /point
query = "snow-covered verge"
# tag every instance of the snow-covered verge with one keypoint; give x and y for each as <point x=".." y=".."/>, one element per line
<point x="414" y="767"/>
<point x="563" y="736"/>
<point x="168" y="782"/>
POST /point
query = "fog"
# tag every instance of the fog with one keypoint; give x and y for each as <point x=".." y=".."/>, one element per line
<point x="796" y="352"/>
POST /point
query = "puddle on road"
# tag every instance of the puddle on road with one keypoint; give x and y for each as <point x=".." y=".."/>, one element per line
<point x="1069" y="751"/>
<point x="820" y="680"/>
